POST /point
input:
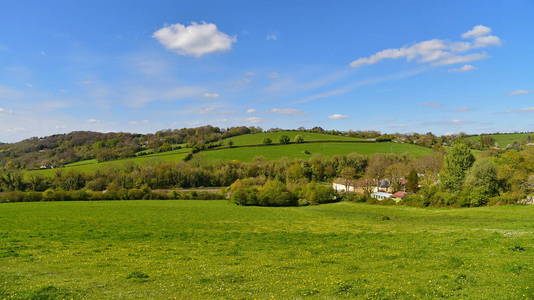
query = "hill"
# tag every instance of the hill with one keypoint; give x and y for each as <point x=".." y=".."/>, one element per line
<point x="504" y="139"/>
<point x="258" y="138"/>
<point x="215" y="250"/>
<point x="299" y="150"/>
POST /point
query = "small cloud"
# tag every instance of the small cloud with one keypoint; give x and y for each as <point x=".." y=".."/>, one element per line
<point x="396" y="125"/>
<point x="43" y="53"/>
<point x="273" y="75"/>
<point x="92" y="121"/>
<point x="211" y="95"/>
<point x="28" y="85"/>
<point x="464" y="68"/>
<point x="457" y="121"/>
<point x="249" y="74"/>
<point x="520" y="92"/>
<point x="138" y="122"/>
<point x="462" y="109"/>
<point x="251" y="111"/>
<point x="477" y="31"/>
<point x="337" y="117"/>
<point x="271" y="37"/>
<point x="431" y="104"/>
<point x="521" y="110"/>
<point x="2" y="110"/>
<point x="287" y="111"/>
<point x="194" y="40"/>
<point x="253" y="120"/>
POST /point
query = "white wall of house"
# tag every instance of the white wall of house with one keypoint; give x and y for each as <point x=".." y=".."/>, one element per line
<point x="342" y="188"/>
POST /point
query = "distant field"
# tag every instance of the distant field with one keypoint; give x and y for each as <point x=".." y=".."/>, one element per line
<point x="215" y="250"/>
<point x="92" y="164"/>
<point x="297" y="150"/>
<point x="505" y="139"/>
<point x="257" y="138"/>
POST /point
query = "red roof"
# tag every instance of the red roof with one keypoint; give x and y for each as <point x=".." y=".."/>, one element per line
<point x="399" y="195"/>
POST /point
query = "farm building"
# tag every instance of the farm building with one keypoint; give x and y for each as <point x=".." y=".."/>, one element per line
<point x="381" y="196"/>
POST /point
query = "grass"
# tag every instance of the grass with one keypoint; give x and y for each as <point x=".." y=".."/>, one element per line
<point x="505" y="139"/>
<point x="257" y="138"/>
<point x="92" y="164"/>
<point x="298" y="150"/>
<point x="215" y="250"/>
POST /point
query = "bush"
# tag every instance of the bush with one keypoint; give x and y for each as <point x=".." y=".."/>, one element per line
<point x="299" y="139"/>
<point x="267" y="141"/>
<point x="506" y="198"/>
<point x="284" y="139"/>
<point x="275" y="193"/>
<point x="354" y="197"/>
<point x="314" y="193"/>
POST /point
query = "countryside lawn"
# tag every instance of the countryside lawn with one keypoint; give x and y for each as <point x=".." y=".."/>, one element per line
<point x="213" y="249"/>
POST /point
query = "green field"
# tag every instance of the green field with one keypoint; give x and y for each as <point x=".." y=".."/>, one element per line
<point x="297" y="150"/>
<point x="257" y="138"/>
<point x="215" y="250"/>
<point x="506" y="139"/>
<point x="92" y="164"/>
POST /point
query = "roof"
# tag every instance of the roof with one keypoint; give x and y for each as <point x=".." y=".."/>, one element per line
<point x="382" y="194"/>
<point x="399" y="194"/>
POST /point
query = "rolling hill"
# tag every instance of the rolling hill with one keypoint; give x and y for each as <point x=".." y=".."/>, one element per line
<point x="298" y="150"/>
<point x="257" y="138"/>
<point x="504" y="139"/>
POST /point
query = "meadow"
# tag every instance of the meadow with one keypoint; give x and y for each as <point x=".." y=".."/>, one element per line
<point x="505" y="139"/>
<point x="257" y="138"/>
<point x="215" y="250"/>
<point x="298" y="150"/>
<point x="92" y="165"/>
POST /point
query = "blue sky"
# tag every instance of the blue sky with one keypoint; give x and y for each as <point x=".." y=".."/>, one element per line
<point x="141" y="66"/>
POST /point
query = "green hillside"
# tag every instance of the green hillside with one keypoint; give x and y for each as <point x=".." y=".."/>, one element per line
<point x="298" y="150"/>
<point x="505" y="139"/>
<point x="215" y="250"/>
<point x="92" y="164"/>
<point x="257" y="138"/>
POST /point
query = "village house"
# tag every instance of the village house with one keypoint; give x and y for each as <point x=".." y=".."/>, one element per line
<point x="383" y="189"/>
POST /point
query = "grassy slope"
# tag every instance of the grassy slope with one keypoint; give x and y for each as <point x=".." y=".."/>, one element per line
<point x="212" y="249"/>
<point x="505" y="139"/>
<point x="91" y="165"/>
<point x="297" y="150"/>
<point x="257" y="138"/>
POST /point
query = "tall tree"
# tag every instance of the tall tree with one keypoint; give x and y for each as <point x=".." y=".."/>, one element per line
<point x="456" y="163"/>
<point x="412" y="181"/>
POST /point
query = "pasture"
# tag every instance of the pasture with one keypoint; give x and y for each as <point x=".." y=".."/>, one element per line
<point x="298" y="150"/>
<point x="506" y="139"/>
<point x="215" y="250"/>
<point x="92" y="164"/>
<point x="257" y="138"/>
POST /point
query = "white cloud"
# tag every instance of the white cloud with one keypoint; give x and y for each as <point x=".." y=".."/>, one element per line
<point x="251" y="110"/>
<point x="287" y="111"/>
<point x="195" y="39"/>
<point x="431" y="104"/>
<point x="464" y="68"/>
<point x="436" y="52"/>
<point x="520" y="92"/>
<point x="337" y="117"/>
<point x="521" y="110"/>
<point x="249" y="74"/>
<point x="463" y="109"/>
<point x="271" y="37"/>
<point x="28" y="85"/>
<point x="211" y="95"/>
<point x="253" y="120"/>
<point x="477" y="31"/>
<point x="139" y="96"/>
<point x="3" y="110"/>
<point x="92" y="121"/>
<point x="273" y="75"/>
<point x="139" y="122"/>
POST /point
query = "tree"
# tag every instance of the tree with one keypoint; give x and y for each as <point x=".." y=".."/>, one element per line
<point x="412" y="184"/>
<point x="483" y="174"/>
<point x="267" y="141"/>
<point x="486" y="141"/>
<point x="284" y="139"/>
<point x="456" y="163"/>
<point x="230" y="143"/>
<point x="299" y="139"/>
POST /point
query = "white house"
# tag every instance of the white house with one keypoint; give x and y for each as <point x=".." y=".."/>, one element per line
<point x="381" y="196"/>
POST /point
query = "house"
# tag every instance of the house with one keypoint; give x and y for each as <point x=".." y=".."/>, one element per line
<point x="381" y="196"/>
<point x="347" y="186"/>
<point x="383" y="185"/>
<point x="398" y="196"/>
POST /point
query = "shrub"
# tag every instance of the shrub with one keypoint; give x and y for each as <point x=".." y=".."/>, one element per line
<point x="506" y="198"/>
<point x="315" y="193"/>
<point x="299" y="139"/>
<point x="284" y="139"/>
<point x="267" y="141"/>
<point x="354" y="197"/>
